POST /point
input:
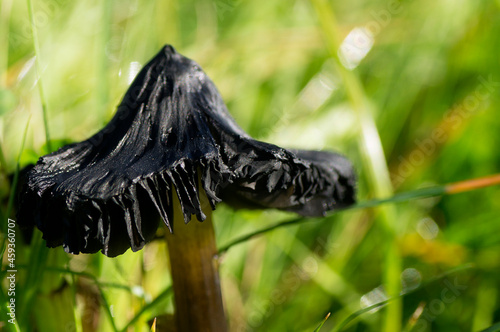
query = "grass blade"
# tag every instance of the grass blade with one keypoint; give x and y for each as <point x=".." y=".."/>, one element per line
<point x="153" y="328"/>
<point x="10" y="204"/>
<point x="322" y="323"/>
<point x="449" y="189"/>
<point x="493" y="328"/>
<point x="374" y="162"/>
<point x="99" y="285"/>
<point x="152" y="304"/>
<point x="38" y="73"/>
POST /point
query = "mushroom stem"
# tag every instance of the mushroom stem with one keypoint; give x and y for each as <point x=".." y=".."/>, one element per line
<point x="195" y="277"/>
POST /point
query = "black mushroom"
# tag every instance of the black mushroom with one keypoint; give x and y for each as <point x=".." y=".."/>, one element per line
<point x="171" y="136"/>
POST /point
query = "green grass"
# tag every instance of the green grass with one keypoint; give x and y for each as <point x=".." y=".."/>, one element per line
<point x="420" y="110"/>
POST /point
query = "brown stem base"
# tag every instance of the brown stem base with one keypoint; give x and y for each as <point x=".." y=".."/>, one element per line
<point x="195" y="278"/>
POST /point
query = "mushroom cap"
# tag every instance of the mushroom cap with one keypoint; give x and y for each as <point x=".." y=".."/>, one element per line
<point x="172" y="131"/>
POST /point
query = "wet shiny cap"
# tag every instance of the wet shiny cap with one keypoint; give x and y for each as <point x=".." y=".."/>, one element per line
<point x="171" y="131"/>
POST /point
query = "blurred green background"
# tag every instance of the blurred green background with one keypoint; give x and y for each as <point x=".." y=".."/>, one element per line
<point x="409" y="90"/>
